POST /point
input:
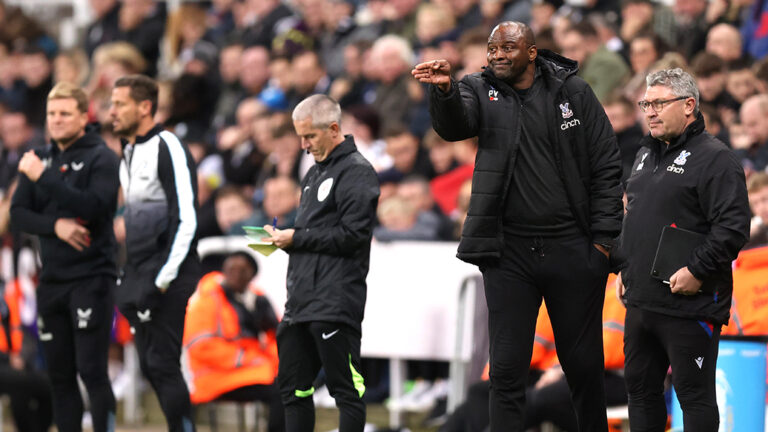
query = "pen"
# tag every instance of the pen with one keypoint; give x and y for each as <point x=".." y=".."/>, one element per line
<point x="274" y="222"/>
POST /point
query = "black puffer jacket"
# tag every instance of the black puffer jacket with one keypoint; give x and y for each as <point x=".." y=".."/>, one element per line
<point x="583" y="143"/>
<point x="697" y="184"/>
<point x="332" y="243"/>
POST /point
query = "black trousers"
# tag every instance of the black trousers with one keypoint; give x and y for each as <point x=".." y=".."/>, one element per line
<point x="302" y="349"/>
<point x="652" y="343"/>
<point x="30" y="393"/>
<point x="569" y="273"/>
<point x="74" y="325"/>
<point x="269" y="394"/>
<point x="158" y="340"/>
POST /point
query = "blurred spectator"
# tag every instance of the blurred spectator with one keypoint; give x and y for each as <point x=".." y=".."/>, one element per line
<point x="692" y="26"/>
<point x="400" y="220"/>
<point x="601" y="68"/>
<point x="230" y="341"/>
<point x="496" y="11"/>
<point x="354" y="86"/>
<point x="724" y="41"/>
<point x="231" y="90"/>
<point x="753" y="114"/>
<point x="236" y="145"/>
<point x="362" y="122"/>
<point x="262" y="19"/>
<point x="396" y="17"/>
<point x="71" y="66"/>
<point x="195" y="93"/>
<point x="138" y="22"/>
<point x="433" y="23"/>
<point x="186" y="28"/>
<point x="753" y="29"/>
<point x="37" y="74"/>
<point x="642" y="16"/>
<point x="17" y="137"/>
<point x="741" y="82"/>
<point x="622" y="114"/>
<point x="407" y="155"/>
<point x="233" y="210"/>
<point x="394" y="58"/>
<point x="220" y="20"/>
<point x="254" y="70"/>
<point x="445" y="187"/>
<point x="142" y="24"/>
<point x="281" y="200"/>
<point x="473" y="49"/>
<point x="440" y="152"/>
<point x="714" y="124"/>
<point x="761" y="72"/>
<point x="341" y="31"/>
<point x="711" y="74"/>
<point x="415" y="190"/>
<point x="467" y="13"/>
<point x="308" y="77"/>
<point x="757" y="190"/>
<point x="105" y="27"/>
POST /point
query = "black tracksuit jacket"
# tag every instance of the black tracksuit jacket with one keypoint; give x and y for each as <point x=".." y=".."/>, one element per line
<point x="81" y="183"/>
<point x="583" y="144"/>
<point x="697" y="184"/>
<point x="331" y="247"/>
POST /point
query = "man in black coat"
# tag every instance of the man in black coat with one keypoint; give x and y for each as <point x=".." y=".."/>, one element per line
<point x="67" y="196"/>
<point x="329" y="250"/>
<point x="544" y="209"/>
<point x="686" y="178"/>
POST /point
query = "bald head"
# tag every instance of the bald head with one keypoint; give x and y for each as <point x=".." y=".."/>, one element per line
<point x="518" y="30"/>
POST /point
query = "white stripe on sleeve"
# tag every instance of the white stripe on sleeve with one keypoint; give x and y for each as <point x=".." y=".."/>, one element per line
<point x="185" y="197"/>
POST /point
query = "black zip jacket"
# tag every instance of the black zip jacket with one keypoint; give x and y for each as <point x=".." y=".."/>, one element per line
<point x="332" y="240"/>
<point x="80" y="182"/>
<point x="697" y="184"/>
<point x="583" y="144"/>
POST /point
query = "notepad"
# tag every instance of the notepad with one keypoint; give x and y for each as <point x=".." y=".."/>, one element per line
<point x="255" y="242"/>
<point x="674" y="251"/>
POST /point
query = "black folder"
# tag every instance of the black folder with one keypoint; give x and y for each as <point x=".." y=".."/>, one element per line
<point x="674" y="251"/>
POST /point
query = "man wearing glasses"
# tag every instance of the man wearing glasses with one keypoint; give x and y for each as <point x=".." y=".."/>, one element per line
<point x="686" y="178"/>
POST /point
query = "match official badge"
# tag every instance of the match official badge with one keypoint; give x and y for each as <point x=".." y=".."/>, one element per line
<point x="324" y="189"/>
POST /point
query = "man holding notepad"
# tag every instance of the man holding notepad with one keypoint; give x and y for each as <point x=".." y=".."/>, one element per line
<point x="329" y="248"/>
<point x="687" y="218"/>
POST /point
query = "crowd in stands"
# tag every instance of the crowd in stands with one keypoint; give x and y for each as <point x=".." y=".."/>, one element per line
<point x="231" y="71"/>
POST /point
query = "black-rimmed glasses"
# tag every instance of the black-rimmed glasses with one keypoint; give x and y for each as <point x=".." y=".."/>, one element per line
<point x="658" y="105"/>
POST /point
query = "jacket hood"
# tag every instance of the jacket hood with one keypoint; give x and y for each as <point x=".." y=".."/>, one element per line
<point x="552" y="67"/>
<point x="90" y="139"/>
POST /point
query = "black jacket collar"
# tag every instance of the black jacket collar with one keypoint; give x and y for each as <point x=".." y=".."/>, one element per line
<point x="156" y="129"/>
<point x="694" y="129"/>
<point x="346" y="147"/>
<point x="90" y="139"/>
<point x="551" y="67"/>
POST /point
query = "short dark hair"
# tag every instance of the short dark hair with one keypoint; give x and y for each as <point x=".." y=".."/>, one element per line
<point x="705" y="65"/>
<point x="248" y="258"/>
<point x="143" y="88"/>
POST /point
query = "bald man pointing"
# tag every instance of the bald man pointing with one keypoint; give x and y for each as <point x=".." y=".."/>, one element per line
<point x="543" y="214"/>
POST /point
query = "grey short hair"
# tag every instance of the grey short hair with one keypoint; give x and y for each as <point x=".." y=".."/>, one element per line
<point x="679" y="81"/>
<point x="396" y="43"/>
<point x="321" y="109"/>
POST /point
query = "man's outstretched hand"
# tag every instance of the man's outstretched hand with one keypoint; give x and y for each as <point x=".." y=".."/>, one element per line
<point x="437" y="72"/>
